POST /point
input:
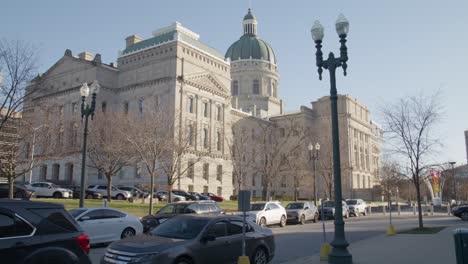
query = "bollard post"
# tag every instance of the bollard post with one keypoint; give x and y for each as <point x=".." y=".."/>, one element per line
<point x="432" y="210"/>
<point x="104" y="203"/>
<point x="399" y="210"/>
<point x="370" y="210"/>
<point x="449" y="210"/>
<point x="384" y="209"/>
<point x="414" y="210"/>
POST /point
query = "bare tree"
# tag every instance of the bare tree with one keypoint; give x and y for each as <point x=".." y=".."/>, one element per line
<point x="242" y="153"/>
<point x="108" y="152"/>
<point x="409" y="125"/>
<point x="390" y="178"/>
<point x="16" y="150"/>
<point x="148" y="136"/>
<point x="275" y="142"/>
<point x="18" y="65"/>
<point x="297" y="168"/>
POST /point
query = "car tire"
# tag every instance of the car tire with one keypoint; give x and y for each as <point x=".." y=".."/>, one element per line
<point x="365" y="212"/>
<point x="128" y="232"/>
<point x="57" y="195"/>
<point x="259" y="257"/>
<point x="346" y="215"/>
<point x="183" y="261"/>
<point x="120" y="197"/>
<point x="263" y="222"/>
<point x="89" y="196"/>
<point x="464" y="216"/>
<point x="302" y="220"/>
<point x="357" y="213"/>
<point x="19" y="195"/>
<point x="316" y="217"/>
<point x="283" y="221"/>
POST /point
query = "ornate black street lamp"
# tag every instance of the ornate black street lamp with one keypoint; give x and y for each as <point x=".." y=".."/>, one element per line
<point x="86" y="111"/>
<point x="340" y="253"/>
<point x="314" y="157"/>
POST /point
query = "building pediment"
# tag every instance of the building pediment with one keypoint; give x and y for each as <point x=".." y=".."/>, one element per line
<point x="207" y="82"/>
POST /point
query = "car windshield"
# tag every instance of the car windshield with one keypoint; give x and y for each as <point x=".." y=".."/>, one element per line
<point x="173" y="209"/>
<point x="351" y="202"/>
<point x="329" y="204"/>
<point x="295" y="206"/>
<point x="180" y="228"/>
<point x="76" y="212"/>
<point x="257" y="207"/>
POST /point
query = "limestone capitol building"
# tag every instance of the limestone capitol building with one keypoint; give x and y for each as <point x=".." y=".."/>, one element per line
<point x="215" y="96"/>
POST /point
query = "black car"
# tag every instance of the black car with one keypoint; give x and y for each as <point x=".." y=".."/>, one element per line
<point x="185" y="194"/>
<point x="196" y="207"/>
<point x="19" y="191"/>
<point x="203" y="239"/>
<point x="89" y="194"/>
<point x="461" y="212"/>
<point x="200" y="196"/>
<point x="39" y="233"/>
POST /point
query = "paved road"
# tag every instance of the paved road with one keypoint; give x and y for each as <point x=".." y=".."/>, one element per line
<point x="296" y="241"/>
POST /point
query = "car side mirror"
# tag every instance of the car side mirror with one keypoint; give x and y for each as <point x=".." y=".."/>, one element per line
<point x="50" y="187"/>
<point x="267" y="209"/>
<point x="208" y="238"/>
<point x="84" y="218"/>
<point x="306" y="208"/>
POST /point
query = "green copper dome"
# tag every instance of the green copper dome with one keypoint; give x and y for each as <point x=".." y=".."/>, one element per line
<point x="249" y="46"/>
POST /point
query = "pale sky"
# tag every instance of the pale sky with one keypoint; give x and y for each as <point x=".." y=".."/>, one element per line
<point x="396" y="48"/>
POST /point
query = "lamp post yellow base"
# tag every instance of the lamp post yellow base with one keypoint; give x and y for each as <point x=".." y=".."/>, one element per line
<point x="325" y="250"/>
<point x="390" y="230"/>
<point x="243" y="260"/>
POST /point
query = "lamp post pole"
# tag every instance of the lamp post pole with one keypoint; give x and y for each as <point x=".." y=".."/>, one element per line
<point x="86" y="111"/>
<point x="452" y="163"/>
<point x="314" y="158"/>
<point x="340" y="253"/>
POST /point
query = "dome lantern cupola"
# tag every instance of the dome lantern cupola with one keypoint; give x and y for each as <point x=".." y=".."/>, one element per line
<point x="250" y="24"/>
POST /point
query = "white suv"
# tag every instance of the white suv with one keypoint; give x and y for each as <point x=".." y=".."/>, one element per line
<point x="115" y="193"/>
<point x="48" y="189"/>
<point x="267" y="213"/>
<point x="356" y="207"/>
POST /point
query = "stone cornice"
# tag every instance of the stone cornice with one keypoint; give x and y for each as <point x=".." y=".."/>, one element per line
<point x="145" y="84"/>
<point x="206" y="89"/>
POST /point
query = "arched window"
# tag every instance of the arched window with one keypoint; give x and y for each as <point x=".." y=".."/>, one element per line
<point x="256" y="87"/>
<point x="235" y="87"/>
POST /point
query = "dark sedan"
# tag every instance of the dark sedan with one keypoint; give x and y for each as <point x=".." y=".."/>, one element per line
<point x="19" y="192"/>
<point x="195" y="239"/>
<point x="185" y="194"/>
<point x="89" y="194"/>
<point x="200" y="196"/>
<point x="461" y="212"/>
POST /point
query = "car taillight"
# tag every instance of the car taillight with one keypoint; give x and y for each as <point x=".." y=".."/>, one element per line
<point x="83" y="241"/>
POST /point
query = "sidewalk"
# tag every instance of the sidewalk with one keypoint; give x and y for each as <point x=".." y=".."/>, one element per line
<point x="401" y="248"/>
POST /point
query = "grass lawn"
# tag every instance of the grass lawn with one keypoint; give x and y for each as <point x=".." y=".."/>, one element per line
<point x="137" y="209"/>
<point x="424" y="230"/>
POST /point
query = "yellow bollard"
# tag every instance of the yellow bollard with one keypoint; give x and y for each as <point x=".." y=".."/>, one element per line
<point x="243" y="260"/>
<point x="325" y="250"/>
<point x="390" y="230"/>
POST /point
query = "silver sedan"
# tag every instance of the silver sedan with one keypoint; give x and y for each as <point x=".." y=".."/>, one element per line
<point x="301" y="212"/>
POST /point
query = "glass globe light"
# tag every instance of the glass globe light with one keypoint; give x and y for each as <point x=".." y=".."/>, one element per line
<point x="95" y="87"/>
<point x="84" y="90"/>
<point x="342" y="25"/>
<point x="317" y="31"/>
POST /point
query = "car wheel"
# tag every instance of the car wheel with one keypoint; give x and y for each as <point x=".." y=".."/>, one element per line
<point x="19" y="195"/>
<point x="183" y="261"/>
<point x="57" y="195"/>
<point x="346" y="215"/>
<point x="365" y="212"/>
<point x="263" y="222"/>
<point x="128" y="232"/>
<point x="316" y="217"/>
<point x="302" y="220"/>
<point x="89" y="196"/>
<point x="283" y="221"/>
<point x="464" y="216"/>
<point x="176" y="199"/>
<point x="357" y="213"/>
<point x="120" y="197"/>
<point x="259" y="257"/>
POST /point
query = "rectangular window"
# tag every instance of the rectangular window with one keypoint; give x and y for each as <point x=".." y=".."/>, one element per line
<point x="218" y="141"/>
<point x="140" y="105"/>
<point x="256" y="87"/>
<point x="190" y="170"/>
<point x="205" y="189"/>
<point x="206" y="171"/>
<point x="103" y="107"/>
<point x="204" y="137"/>
<point x="190" y="135"/>
<point x="125" y="107"/>
<point x="190" y="188"/>
<point x="218" y="113"/>
<point x="74" y="108"/>
<point x="220" y="191"/>
<point x="235" y="87"/>
<point x="219" y="173"/>
<point x="205" y="109"/>
<point x="190" y="104"/>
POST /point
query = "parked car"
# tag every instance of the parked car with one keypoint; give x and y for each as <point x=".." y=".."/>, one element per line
<point x="48" y="189"/>
<point x="188" y="196"/>
<point x="329" y="210"/>
<point x="356" y="207"/>
<point x="115" y="193"/>
<point x="267" y="213"/>
<point x="195" y="239"/>
<point x="105" y="224"/>
<point x="137" y="193"/>
<point x="88" y="193"/>
<point x="195" y="207"/>
<point x="461" y="211"/>
<point x="301" y="212"/>
<point x="175" y="197"/>
<point x="200" y="196"/>
<point x="19" y="191"/>
<point x="214" y="197"/>
<point x="37" y="233"/>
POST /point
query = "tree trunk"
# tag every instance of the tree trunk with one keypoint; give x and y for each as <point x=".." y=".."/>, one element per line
<point x="169" y="192"/>
<point x="11" y="187"/>
<point x="264" y="193"/>
<point x="418" y="198"/>
<point x="109" y="187"/>
<point x="153" y="175"/>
